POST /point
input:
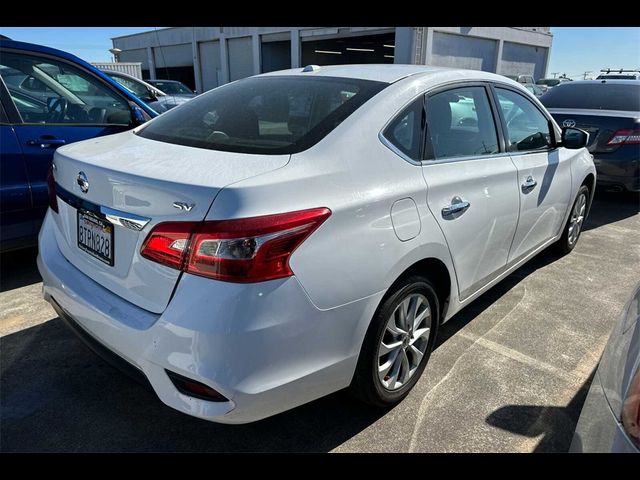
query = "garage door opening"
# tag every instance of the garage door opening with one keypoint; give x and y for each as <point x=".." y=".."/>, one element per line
<point x="339" y="51"/>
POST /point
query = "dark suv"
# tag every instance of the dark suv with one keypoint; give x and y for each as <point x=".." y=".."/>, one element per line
<point x="609" y="110"/>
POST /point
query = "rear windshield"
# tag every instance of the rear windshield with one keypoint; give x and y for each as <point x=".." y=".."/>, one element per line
<point x="272" y="115"/>
<point x="550" y="82"/>
<point x="594" y="96"/>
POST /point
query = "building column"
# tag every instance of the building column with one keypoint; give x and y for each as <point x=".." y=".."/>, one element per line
<point x="197" y="70"/>
<point x="152" y="63"/>
<point x="255" y="46"/>
<point x="427" y="47"/>
<point x="498" y="65"/>
<point x="403" y="43"/>
<point x="295" y="48"/>
<point x="546" y="63"/>
<point x="224" y="60"/>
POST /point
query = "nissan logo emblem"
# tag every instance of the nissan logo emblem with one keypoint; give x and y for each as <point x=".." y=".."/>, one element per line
<point x="82" y="181"/>
<point x="569" y="123"/>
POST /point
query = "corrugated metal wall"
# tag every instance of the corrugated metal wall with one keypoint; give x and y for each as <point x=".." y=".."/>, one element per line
<point x="519" y="59"/>
<point x="458" y="51"/>
<point x="131" y="68"/>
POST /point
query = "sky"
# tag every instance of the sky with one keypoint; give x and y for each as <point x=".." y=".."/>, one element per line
<point x="574" y="49"/>
<point x="578" y="49"/>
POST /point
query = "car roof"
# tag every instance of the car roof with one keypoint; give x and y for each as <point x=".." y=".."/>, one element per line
<point x="388" y="73"/>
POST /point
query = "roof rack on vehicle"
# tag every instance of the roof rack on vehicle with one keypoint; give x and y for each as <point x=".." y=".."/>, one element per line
<point x="618" y="70"/>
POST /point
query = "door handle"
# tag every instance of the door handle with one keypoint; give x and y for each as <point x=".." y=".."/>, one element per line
<point x="457" y="205"/>
<point x="529" y="184"/>
<point x="47" y="143"/>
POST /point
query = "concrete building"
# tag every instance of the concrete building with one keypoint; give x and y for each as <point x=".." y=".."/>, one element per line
<point x="206" y="57"/>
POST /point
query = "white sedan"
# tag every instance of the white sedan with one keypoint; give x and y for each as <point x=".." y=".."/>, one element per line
<point x="292" y="234"/>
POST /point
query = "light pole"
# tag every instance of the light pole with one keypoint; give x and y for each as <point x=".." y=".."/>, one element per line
<point x="114" y="54"/>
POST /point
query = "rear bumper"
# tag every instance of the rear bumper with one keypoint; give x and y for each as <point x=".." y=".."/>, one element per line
<point x="264" y="346"/>
<point x="618" y="169"/>
<point x="629" y="183"/>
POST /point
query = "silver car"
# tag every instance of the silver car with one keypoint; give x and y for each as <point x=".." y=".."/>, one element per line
<point x="292" y="234"/>
<point x="610" y="418"/>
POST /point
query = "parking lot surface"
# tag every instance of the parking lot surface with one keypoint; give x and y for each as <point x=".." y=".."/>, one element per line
<point x="509" y="373"/>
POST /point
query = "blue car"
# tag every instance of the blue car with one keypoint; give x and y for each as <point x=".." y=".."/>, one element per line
<point x="49" y="98"/>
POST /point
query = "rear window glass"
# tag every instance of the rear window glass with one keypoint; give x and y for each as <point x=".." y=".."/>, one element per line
<point x="272" y="115"/>
<point x="594" y="96"/>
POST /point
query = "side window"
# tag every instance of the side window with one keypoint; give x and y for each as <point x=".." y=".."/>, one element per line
<point x="46" y="91"/>
<point x="405" y="130"/>
<point x="460" y="123"/>
<point x="527" y="127"/>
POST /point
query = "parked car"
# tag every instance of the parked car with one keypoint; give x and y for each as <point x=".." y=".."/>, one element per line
<point x="535" y="89"/>
<point x="610" y="111"/>
<point x="288" y="235"/>
<point x="610" y="418"/>
<point x="548" y="83"/>
<point x="49" y="98"/>
<point x="152" y="96"/>
<point x="619" y="75"/>
<point x="173" y="87"/>
<point x="521" y="78"/>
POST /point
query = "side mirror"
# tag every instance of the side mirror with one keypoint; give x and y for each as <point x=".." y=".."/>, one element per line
<point x="152" y="96"/>
<point x="574" y="138"/>
<point x="137" y="115"/>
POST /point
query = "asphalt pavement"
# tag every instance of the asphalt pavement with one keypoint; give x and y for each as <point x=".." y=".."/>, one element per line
<point x="509" y="373"/>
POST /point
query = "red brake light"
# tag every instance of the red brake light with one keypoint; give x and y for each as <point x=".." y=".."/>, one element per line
<point x="631" y="410"/>
<point x="167" y="243"/>
<point x="51" y="190"/>
<point x="244" y="250"/>
<point x="625" y="136"/>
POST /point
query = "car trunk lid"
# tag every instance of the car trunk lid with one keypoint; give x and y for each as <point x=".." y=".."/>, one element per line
<point x="600" y="124"/>
<point x="133" y="184"/>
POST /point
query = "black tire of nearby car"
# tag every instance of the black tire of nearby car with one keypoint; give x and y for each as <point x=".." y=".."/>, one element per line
<point x="365" y="384"/>
<point x="563" y="245"/>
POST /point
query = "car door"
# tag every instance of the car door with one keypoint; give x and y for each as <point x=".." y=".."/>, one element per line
<point x="472" y="183"/>
<point x="15" y="193"/>
<point x="70" y="104"/>
<point x="544" y="172"/>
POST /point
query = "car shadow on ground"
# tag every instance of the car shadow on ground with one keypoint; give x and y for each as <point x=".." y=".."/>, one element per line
<point x="18" y="269"/>
<point x="555" y="424"/>
<point x="57" y="396"/>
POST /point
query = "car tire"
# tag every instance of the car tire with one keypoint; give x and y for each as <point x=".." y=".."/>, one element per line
<point x="576" y="219"/>
<point x="371" y="383"/>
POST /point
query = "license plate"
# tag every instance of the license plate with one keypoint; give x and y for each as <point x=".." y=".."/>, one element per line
<point x="95" y="236"/>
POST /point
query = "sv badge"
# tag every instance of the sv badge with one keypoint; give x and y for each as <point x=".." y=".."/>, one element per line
<point x="183" y="206"/>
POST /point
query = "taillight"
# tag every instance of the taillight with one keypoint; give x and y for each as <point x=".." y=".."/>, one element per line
<point x="167" y="243"/>
<point x="625" y="136"/>
<point x="252" y="249"/>
<point x="51" y="190"/>
<point x="631" y="410"/>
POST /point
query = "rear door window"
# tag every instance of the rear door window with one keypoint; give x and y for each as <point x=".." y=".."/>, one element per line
<point x="272" y="115"/>
<point x="460" y="124"/>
